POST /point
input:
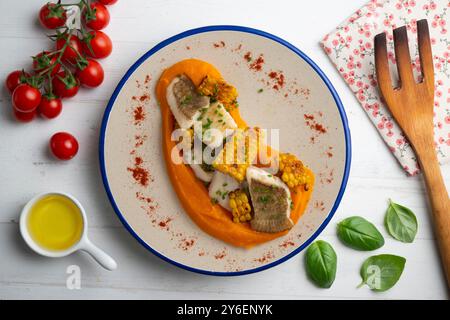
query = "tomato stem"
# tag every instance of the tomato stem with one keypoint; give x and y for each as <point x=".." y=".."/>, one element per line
<point x="46" y="75"/>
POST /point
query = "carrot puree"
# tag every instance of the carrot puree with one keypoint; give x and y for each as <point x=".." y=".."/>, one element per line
<point x="211" y="218"/>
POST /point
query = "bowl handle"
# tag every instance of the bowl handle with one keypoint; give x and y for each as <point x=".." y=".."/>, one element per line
<point x="99" y="255"/>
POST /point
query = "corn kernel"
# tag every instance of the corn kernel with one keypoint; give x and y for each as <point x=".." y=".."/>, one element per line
<point x="292" y="170"/>
<point x="241" y="208"/>
<point x="219" y="90"/>
<point x="238" y="153"/>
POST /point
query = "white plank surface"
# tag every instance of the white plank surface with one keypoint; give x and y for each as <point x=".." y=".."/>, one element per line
<point x="136" y="26"/>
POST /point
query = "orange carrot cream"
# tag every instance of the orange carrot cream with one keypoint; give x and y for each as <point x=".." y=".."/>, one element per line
<point x="192" y="193"/>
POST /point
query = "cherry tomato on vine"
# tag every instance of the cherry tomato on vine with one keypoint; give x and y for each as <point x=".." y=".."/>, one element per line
<point x="24" y="116"/>
<point x="50" y="106"/>
<point x="108" y="2"/>
<point x="46" y="60"/>
<point x="96" y="16"/>
<point x="14" y="79"/>
<point x="26" y="98"/>
<point x="97" y="44"/>
<point x="63" y="145"/>
<point x="52" y="16"/>
<point x="65" y="85"/>
<point x="74" y="45"/>
<point x="90" y="73"/>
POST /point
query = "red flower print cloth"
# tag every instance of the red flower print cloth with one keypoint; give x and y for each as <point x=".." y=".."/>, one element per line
<point x="350" y="48"/>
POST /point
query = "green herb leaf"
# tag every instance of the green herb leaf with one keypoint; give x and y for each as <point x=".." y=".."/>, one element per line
<point x="401" y="223"/>
<point x="321" y="263"/>
<point x="360" y="234"/>
<point x="187" y="99"/>
<point x="382" y="272"/>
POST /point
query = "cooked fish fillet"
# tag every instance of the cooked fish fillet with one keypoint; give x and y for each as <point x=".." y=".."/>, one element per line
<point x="220" y="187"/>
<point x="218" y="118"/>
<point x="271" y="201"/>
<point x="184" y="101"/>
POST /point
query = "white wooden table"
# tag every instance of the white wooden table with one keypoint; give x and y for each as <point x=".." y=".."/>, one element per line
<point x="136" y="26"/>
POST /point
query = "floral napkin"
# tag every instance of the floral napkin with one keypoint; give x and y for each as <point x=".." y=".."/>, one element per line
<point x="350" y="48"/>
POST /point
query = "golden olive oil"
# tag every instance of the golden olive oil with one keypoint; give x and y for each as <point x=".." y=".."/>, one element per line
<point x="55" y="222"/>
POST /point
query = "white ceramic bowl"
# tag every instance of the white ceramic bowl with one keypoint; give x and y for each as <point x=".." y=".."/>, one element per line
<point x="83" y="244"/>
<point x="303" y="108"/>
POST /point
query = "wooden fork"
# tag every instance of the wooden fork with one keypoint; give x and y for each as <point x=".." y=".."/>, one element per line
<point x="412" y="104"/>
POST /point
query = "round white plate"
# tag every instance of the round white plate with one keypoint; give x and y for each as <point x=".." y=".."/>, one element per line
<point x="304" y="106"/>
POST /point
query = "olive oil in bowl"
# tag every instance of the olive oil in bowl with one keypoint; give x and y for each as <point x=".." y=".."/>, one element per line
<point x="55" y="223"/>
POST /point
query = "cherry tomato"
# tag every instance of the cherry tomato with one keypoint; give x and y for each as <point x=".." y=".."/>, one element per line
<point x="63" y="145"/>
<point x="14" y="79"/>
<point x="50" y="106"/>
<point x="74" y="46"/>
<point x="24" y="116"/>
<point x="52" y="16"/>
<point x="46" y="60"/>
<point x="65" y="85"/>
<point x="96" y="16"/>
<point x="97" y="45"/>
<point x="92" y="74"/>
<point x="108" y="2"/>
<point x="26" y="98"/>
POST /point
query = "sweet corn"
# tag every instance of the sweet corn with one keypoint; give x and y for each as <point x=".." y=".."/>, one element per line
<point x="292" y="171"/>
<point x="219" y="90"/>
<point x="238" y="153"/>
<point x="240" y="206"/>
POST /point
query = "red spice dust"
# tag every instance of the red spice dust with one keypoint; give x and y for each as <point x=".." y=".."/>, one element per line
<point x="140" y="196"/>
<point x="248" y="56"/>
<point x="257" y="64"/>
<point x="165" y="224"/>
<point x="139" y="115"/>
<point x="220" y="255"/>
<point x="149" y="205"/>
<point x="186" y="244"/>
<point x="140" y="174"/>
<point x="319" y="205"/>
<point x="278" y="78"/>
<point x="220" y="44"/>
<point x="329" y="153"/>
<point x="287" y="243"/>
<point x="144" y="98"/>
<point x="265" y="258"/>
<point x="313" y="124"/>
<point x="148" y="78"/>
<point x="139" y="140"/>
<point x="320" y="128"/>
<point x="238" y="48"/>
<point x="326" y="177"/>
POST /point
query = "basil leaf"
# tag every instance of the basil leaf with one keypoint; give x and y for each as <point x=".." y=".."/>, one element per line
<point x="360" y="234"/>
<point x="321" y="263"/>
<point x="401" y="222"/>
<point x="382" y="272"/>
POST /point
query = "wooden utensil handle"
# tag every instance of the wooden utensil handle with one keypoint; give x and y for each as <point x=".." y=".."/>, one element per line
<point x="440" y="203"/>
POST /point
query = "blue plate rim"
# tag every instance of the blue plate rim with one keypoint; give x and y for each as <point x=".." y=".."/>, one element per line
<point x="188" y="33"/>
